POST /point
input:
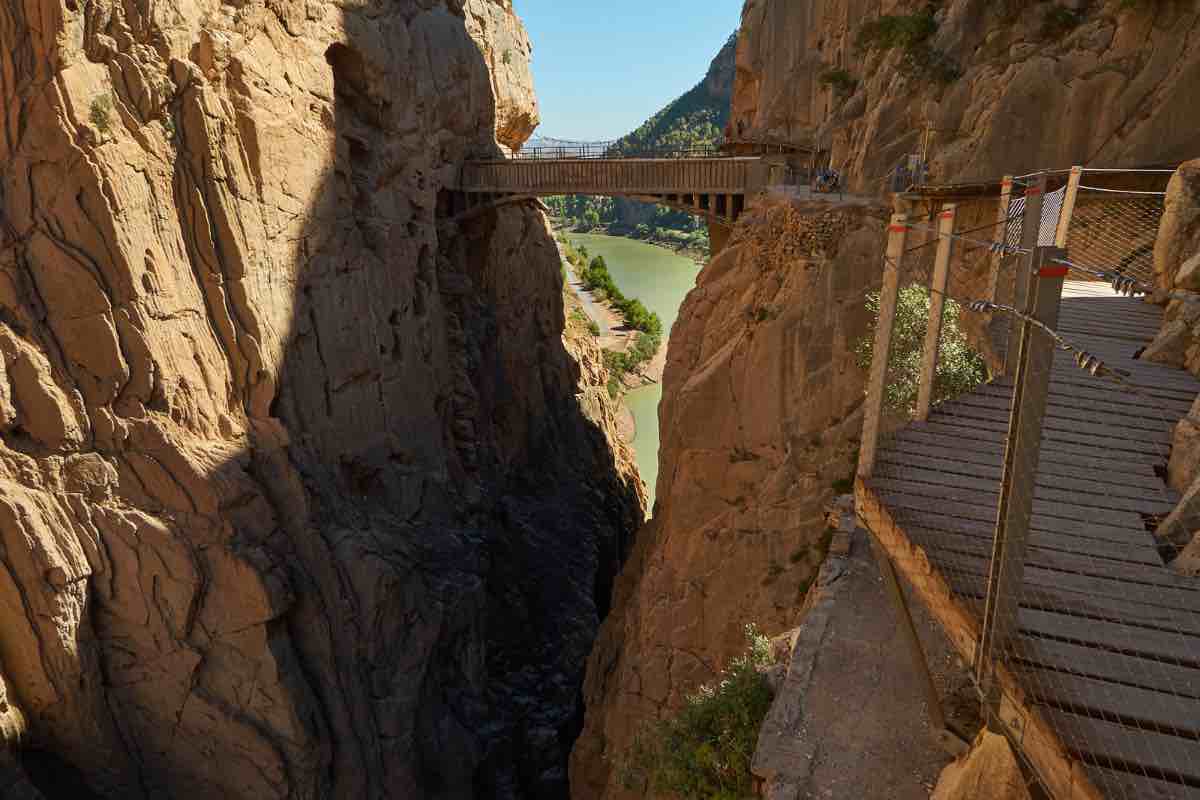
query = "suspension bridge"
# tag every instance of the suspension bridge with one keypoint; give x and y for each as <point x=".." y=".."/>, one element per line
<point x="1022" y="511"/>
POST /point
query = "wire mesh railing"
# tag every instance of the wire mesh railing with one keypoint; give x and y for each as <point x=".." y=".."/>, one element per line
<point x="614" y="148"/>
<point x="1023" y="508"/>
<point x="1115" y="231"/>
<point x="559" y="149"/>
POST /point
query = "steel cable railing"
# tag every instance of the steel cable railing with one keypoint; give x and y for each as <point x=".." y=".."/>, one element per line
<point x="1102" y="653"/>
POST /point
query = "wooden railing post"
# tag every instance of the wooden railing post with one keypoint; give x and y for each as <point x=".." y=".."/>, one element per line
<point x="937" y="305"/>
<point x="873" y="408"/>
<point x="1001" y="236"/>
<point x="1031" y="227"/>
<point x="1035" y="357"/>
<point x="1068" y="208"/>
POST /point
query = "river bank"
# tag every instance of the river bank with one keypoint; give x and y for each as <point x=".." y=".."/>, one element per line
<point x="660" y="278"/>
<point x="664" y="238"/>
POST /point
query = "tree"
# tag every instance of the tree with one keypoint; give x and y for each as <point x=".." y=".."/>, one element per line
<point x="959" y="368"/>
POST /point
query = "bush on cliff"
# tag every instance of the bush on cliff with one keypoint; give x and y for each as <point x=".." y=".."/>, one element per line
<point x="704" y="751"/>
<point x="959" y="369"/>
<point x="910" y="33"/>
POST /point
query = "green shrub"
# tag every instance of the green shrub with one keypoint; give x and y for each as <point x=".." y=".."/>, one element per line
<point x="593" y="327"/>
<point x="1057" y="21"/>
<point x="704" y="751"/>
<point x="101" y="111"/>
<point x="897" y="30"/>
<point x="841" y="81"/>
<point x="959" y="369"/>
<point x="507" y="57"/>
<point x="596" y="278"/>
<point x="910" y="33"/>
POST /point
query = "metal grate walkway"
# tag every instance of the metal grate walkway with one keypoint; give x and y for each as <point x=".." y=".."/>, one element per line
<point x="1104" y="675"/>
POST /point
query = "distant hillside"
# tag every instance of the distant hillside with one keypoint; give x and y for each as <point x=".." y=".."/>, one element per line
<point x="697" y="117"/>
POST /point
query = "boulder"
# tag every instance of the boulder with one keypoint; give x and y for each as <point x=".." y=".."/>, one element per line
<point x="988" y="771"/>
<point x="1177" y="248"/>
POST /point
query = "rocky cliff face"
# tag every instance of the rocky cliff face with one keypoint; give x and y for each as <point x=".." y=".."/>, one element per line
<point x="301" y="494"/>
<point x="1041" y="85"/>
<point x="760" y="394"/>
<point x="760" y="401"/>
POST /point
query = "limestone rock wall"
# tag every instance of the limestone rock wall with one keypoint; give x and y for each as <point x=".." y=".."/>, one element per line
<point x="301" y="494"/>
<point x="761" y="390"/>
<point x="1176" y="265"/>
<point x="761" y="400"/>
<point x="1111" y="89"/>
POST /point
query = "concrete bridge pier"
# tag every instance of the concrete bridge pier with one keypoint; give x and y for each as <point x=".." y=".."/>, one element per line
<point x="718" y="235"/>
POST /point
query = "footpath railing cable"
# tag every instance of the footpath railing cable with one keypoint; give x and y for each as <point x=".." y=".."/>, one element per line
<point x="1107" y="641"/>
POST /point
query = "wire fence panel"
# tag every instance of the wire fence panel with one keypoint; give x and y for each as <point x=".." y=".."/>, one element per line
<point x="1114" y="232"/>
<point x="1095" y="674"/>
<point x="1107" y="641"/>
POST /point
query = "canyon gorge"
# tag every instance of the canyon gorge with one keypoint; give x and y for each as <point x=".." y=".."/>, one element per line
<point x="303" y="493"/>
<point x="761" y="411"/>
<point x="308" y="489"/>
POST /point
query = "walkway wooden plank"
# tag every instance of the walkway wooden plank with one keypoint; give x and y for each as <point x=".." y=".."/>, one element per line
<point x="1171" y="649"/>
<point x="1093" y="496"/>
<point x="1131" y="424"/>
<point x="1115" y="702"/>
<point x="1078" y="659"/>
<point x="1089" y="482"/>
<point x="1053" y="442"/>
<point x="1133" y="478"/>
<point x="1051" y="515"/>
<point x="1067" y="554"/>
<point x="1107" y="656"/>
<point x="1053" y="549"/>
<point x="1107" y="744"/>
<point x="1078" y="427"/>
<point x="1067" y="434"/>
<point x="1126" y="786"/>
<point x="920" y="503"/>
<point x="1175" y="606"/>
<point x="1077" y="595"/>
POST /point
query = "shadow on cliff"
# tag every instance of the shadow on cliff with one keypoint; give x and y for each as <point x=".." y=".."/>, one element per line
<point x="449" y="520"/>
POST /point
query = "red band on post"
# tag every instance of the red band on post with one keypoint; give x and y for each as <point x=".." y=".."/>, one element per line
<point x="947" y="215"/>
<point x="1052" y="272"/>
<point x="897" y="228"/>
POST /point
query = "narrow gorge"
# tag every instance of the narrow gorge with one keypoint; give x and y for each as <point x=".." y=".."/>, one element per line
<point x="311" y="481"/>
<point x="763" y="395"/>
<point x="304" y="494"/>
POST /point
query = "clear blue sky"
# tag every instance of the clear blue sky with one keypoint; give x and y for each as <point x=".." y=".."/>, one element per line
<point x="601" y="68"/>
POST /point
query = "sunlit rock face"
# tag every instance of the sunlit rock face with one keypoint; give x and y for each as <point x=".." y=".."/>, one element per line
<point x="1110" y="88"/>
<point x="761" y="403"/>
<point x="301" y="494"/>
<point x="762" y="391"/>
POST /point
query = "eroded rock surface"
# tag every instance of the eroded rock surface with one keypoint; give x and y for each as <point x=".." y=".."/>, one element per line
<point x="298" y="496"/>
<point x="988" y="771"/>
<point x="1110" y="88"/>
<point x="761" y="387"/>
<point x="761" y="400"/>
<point x="1176" y="268"/>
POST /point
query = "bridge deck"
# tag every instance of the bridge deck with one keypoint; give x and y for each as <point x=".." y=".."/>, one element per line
<point x="1105" y="672"/>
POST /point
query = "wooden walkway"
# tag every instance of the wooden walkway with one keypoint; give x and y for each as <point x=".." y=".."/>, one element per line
<point x="1103" y="681"/>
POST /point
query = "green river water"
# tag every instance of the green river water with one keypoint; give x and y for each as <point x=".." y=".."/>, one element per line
<point x="660" y="279"/>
